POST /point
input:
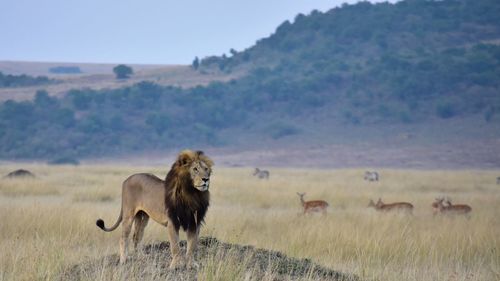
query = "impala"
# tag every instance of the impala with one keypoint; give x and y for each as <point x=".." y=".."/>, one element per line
<point x="397" y="206"/>
<point x="444" y="206"/>
<point x="312" y="206"/>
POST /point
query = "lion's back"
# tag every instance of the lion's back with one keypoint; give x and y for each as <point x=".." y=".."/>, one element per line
<point x="143" y="184"/>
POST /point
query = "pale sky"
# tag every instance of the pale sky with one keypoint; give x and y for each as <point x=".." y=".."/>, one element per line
<point x="140" y="31"/>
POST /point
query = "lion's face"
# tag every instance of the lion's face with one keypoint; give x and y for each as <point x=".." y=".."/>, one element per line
<point x="200" y="175"/>
<point x="197" y="165"/>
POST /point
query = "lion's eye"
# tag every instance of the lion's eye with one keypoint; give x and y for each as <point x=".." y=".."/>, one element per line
<point x="195" y="169"/>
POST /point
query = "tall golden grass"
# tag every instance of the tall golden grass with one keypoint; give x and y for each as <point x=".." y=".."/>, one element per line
<point x="48" y="223"/>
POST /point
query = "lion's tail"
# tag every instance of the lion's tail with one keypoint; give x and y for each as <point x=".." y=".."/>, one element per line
<point x="100" y="223"/>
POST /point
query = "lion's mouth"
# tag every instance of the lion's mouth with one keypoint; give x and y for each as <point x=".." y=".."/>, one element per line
<point x="203" y="187"/>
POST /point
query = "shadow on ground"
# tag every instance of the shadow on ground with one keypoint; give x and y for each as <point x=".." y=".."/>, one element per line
<point x="218" y="261"/>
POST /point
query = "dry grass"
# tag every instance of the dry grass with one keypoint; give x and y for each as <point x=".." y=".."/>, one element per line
<point x="48" y="223"/>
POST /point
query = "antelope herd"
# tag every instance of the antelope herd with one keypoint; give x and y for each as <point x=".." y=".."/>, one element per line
<point x="441" y="205"/>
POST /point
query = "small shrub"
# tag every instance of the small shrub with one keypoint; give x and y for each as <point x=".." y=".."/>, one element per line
<point x="281" y="129"/>
<point x="64" y="161"/>
<point x="445" y="110"/>
<point x="488" y="114"/>
<point x="351" y="118"/>
<point x="405" y="117"/>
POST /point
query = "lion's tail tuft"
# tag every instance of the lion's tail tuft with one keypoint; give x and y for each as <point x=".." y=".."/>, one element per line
<point x="100" y="224"/>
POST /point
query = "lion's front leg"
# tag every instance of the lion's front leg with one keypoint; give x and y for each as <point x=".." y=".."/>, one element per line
<point x="173" y="237"/>
<point x="192" y="244"/>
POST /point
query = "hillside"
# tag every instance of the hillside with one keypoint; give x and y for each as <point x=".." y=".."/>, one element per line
<point x="358" y="68"/>
<point x="396" y="62"/>
<point x="99" y="76"/>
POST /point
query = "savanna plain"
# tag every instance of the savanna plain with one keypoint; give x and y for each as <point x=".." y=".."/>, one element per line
<point x="47" y="224"/>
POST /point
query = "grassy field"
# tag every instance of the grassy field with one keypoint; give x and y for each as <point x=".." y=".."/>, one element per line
<point x="100" y="76"/>
<point x="47" y="224"/>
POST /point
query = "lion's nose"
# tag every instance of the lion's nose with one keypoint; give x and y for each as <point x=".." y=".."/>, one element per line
<point x="204" y="180"/>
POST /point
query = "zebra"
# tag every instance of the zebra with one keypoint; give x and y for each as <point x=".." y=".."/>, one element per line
<point x="371" y="176"/>
<point x="261" y="174"/>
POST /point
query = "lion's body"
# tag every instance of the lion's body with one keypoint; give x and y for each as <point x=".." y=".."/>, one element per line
<point x="179" y="201"/>
<point x="145" y="192"/>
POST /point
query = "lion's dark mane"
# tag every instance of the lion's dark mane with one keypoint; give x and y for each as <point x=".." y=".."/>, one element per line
<point x="186" y="205"/>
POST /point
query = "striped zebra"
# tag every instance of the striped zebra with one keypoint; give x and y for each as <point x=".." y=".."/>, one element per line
<point x="261" y="174"/>
<point x="371" y="176"/>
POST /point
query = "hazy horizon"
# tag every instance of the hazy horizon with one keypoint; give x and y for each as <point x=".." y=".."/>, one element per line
<point x="153" y="32"/>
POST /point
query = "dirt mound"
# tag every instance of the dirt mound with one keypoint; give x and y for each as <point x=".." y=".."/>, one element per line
<point x="21" y="173"/>
<point x="218" y="261"/>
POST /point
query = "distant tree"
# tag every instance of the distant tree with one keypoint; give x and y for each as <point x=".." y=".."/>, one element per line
<point x="42" y="98"/>
<point x="159" y="122"/>
<point x="445" y="110"/>
<point x="80" y="100"/>
<point x="196" y="63"/>
<point x="122" y="71"/>
<point x="233" y="52"/>
<point x="223" y="62"/>
<point x="488" y="114"/>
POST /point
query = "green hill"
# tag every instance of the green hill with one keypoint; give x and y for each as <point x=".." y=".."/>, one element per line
<point x="400" y="62"/>
<point x="365" y="64"/>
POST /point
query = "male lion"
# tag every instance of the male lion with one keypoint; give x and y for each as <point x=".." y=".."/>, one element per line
<point x="179" y="201"/>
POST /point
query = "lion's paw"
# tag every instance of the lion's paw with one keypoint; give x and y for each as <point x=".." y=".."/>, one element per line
<point x="192" y="265"/>
<point x="176" y="263"/>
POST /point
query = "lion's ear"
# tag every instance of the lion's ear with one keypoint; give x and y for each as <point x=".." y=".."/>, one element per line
<point x="199" y="152"/>
<point x="182" y="161"/>
<point x="184" y="158"/>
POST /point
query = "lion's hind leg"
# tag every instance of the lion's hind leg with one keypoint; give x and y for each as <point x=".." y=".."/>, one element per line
<point x="126" y="228"/>
<point x="140" y="222"/>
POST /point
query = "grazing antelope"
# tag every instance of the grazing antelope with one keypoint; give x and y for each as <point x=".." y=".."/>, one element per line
<point x="397" y="206"/>
<point x="371" y="176"/>
<point x="444" y="206"/>
<point x="313" y="206"/>
<point x="261" y="174"/>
